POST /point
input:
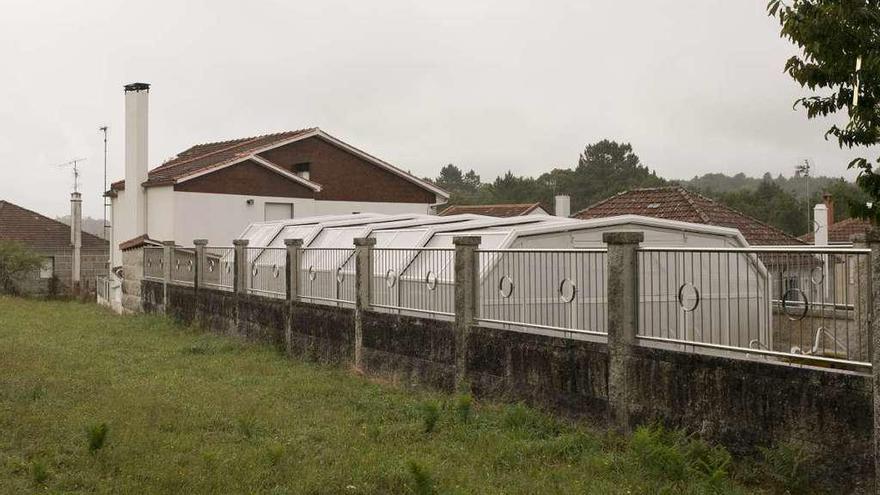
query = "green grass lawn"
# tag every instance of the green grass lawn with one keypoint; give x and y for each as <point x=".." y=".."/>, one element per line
<point x="188" y="412"/>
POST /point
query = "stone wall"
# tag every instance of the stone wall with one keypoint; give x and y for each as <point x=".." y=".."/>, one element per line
<point x="740" y="403"/>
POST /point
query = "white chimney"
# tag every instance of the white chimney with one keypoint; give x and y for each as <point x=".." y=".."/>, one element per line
<point x="563" y="206"/>
<point x="820" y="224"/>
<point x="76" y="236"/>
<point x="137" y="97"/>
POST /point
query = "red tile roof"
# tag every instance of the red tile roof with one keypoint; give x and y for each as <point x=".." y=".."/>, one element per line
<point x="842" y="231"/>
<point x="40" y="232"/>
<point x="677" y="203"/>
<point x="509" y="210"/>
<point x="135" y="242"/>
<point x="208" y="155"/>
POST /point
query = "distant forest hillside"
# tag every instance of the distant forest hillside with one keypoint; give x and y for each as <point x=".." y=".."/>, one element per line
<point x="607" y="167"/>
<point x="91" y="225"/>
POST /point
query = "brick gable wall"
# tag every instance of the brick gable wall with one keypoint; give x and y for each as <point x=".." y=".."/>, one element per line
<point x="246" y="178"/>
<point x="346" y="177"/>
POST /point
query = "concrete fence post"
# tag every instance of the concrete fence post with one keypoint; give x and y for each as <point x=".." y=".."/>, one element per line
<point x="167" y="256"/>
<point x="240" y="275"/>
<point x="467" y="282"/>
<point x="870" y="296"/>
<point x="363" y="271"/>
<point x="291" y="274"/>
<point x="623" y="319"/>
<point x="201" y="263"/>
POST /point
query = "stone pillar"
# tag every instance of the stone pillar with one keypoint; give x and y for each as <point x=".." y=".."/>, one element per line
<point x="623" y="319"/>
<point x="291" y="272"/>
<point x="201" y="263"/>
<point x="863" y="304"/>
<point x="167" y="256"/>
<point x="870" y="295"/>
<point x="467" y="281"/>
<point x="363" y="271"/>
<point x="240" y="276"/>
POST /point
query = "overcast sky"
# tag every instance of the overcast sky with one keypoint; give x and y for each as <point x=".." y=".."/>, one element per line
<point x="696" y="86"/>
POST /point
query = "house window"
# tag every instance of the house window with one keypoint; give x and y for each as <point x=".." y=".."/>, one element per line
<point x="47" y="269"/>
<point x="302" y="170"/>
<point x="278" y="211"/>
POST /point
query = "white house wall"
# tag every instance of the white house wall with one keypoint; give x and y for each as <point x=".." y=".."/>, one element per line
<point x="220" y="218"/>
<point x="123" y="225"/>
<point x="160" y="209"/>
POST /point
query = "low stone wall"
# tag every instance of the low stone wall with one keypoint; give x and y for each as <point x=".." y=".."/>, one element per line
<point x="740" y="403"/>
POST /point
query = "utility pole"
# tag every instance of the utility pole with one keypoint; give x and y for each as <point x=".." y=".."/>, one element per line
<point x="104" y="130"/>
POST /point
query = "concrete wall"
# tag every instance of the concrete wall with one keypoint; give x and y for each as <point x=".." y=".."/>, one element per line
<point x="741" y="403"/>
<point x="94" y="263"/>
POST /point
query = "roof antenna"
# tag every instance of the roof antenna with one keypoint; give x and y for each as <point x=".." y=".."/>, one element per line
<point x="104" y="130"/>
<point x="75" y="164"/>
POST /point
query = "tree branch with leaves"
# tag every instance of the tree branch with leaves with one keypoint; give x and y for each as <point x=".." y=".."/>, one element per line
<point x="839" y="42"/>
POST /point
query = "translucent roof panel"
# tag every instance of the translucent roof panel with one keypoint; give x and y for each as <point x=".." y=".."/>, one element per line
<point x="399" y="238"/>
<point x="304" y="232"/>
<point x="338" y="237"/>
<point x="488" y="239"/>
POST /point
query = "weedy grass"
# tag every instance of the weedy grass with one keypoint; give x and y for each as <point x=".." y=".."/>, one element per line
<point x="169" y="409"/>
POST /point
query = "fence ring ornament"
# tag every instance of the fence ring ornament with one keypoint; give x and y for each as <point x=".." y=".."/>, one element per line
<point x="149" y="263"/>
<point x="254" y="270"/>
<point x="567" y="290"/>
<point x="228" y="267"/>
<point x="189" y="265"/>
<point x="313" y="273"/>
<point x="817" y="275"/>
<point x="431" y="280"/>
<point x="506" y="286"/>
<point x="275" y="271"/>
<point x="177" y="264"/>
<point x="210" y="265"/>
<point x="682" y="295"/>
<point x="390" y="278"/>
<point x="340" y="275"/>
<point x="787" y="304"/>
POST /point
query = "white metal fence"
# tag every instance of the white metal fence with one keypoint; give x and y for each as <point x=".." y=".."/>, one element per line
<point x="219" y="268"/>
<point x="266" y="271"/>
<point x="562" y="290"/>
<point x="420" y="280"/>
<point x="154" y="259"/>
<point x="805" y="302"/>
<point x="790" y="303"/>
<point x="326" y="275"/>
<point x="183" y="265"/>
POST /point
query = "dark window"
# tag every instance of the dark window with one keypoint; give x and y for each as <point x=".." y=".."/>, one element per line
<point x="302" y="170"/>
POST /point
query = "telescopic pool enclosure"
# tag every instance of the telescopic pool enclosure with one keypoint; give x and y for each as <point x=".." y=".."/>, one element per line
<point x="698" y="285"/>
<point x="536" y="272"/>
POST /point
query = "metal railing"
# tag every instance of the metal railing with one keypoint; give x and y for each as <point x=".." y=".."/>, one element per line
<point x="553" y="289"/>
<point x="266" y="271"/>
<point x="326" y="275"/>
<point x="102" y="287"/>
<point x="787" y="301"/>
<point x="183" y="265"/>
<point x="154" y="259"/>
<point x="413" y="279"/>
<point x="219" y="268"/>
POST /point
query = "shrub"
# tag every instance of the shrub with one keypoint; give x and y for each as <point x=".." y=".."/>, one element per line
<point x="430" y="415"/>
<point x="530" y="422"/>
<point x="97" y="435"/>
<point x="676" y="456"/>
<point x="16" y="262"/>
<point x="463" y="406"/>
<point x="421" y="480"/>
<point x="39" y="472"/>
<point x="786" y="467"/>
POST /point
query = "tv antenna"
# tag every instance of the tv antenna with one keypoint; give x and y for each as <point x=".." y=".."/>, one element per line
<point x="104" y="130"/>
<point x="802" y="169"/>
<point x="75" y="165"/>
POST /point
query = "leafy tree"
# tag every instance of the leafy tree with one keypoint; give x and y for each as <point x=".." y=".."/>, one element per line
<point x="606" y="168"/>
<point x="464" y="188"/>
<point x="835" y="37"/>
<point x="17" y="262"/>
<point x="770" y="204"/>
